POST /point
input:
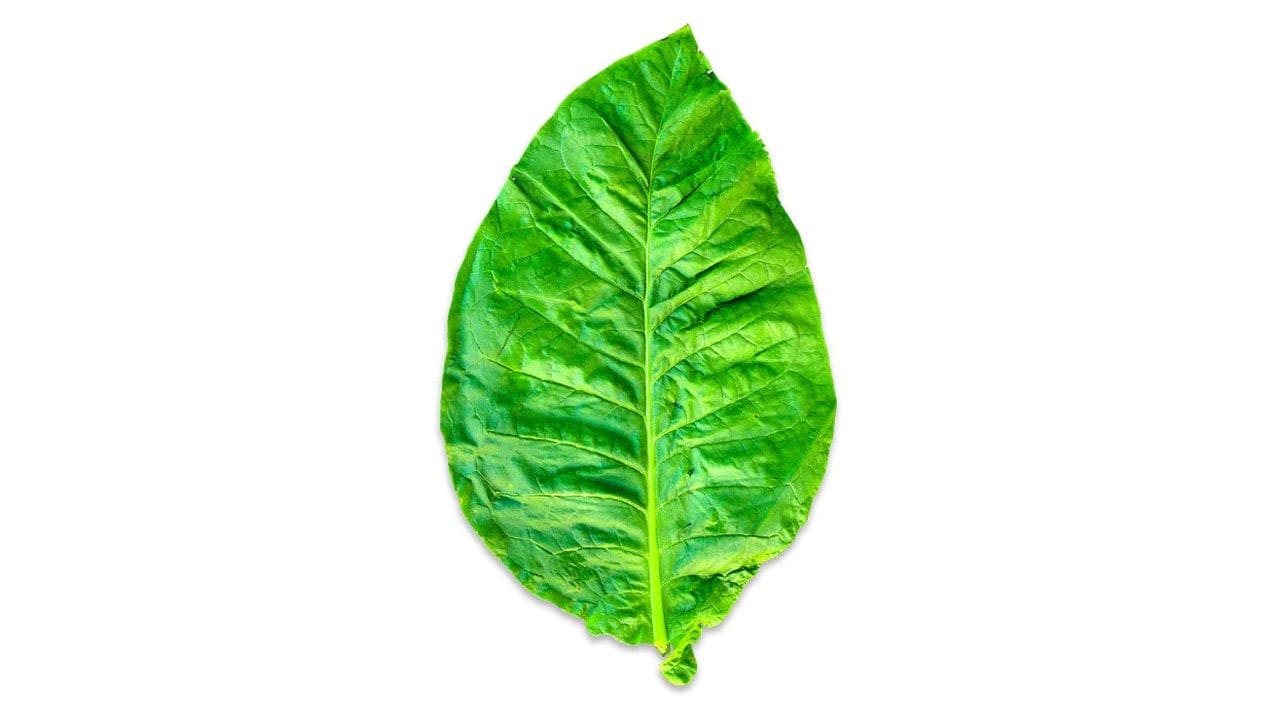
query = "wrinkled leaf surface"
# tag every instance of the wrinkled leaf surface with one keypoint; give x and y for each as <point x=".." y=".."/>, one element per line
<point x="637" y="400"/>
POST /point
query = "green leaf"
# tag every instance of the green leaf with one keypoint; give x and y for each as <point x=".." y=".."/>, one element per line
<point x="637" y="399"/>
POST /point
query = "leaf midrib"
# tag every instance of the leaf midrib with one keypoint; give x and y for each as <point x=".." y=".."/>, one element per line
<point x="657" y="611"/>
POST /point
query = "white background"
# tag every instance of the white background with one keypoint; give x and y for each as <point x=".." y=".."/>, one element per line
<point x="1045" y="241"/>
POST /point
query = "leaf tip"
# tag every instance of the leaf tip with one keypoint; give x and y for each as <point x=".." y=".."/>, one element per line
<point x="684" y="33"/>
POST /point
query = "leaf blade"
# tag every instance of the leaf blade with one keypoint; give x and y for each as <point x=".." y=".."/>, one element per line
<point x="635" y="320"/>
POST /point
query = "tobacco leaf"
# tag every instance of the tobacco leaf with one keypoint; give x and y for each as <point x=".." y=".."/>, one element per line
<point x="637" y="399"/>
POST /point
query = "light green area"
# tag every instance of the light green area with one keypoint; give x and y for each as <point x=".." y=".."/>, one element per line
<point x="637" y="399"/>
